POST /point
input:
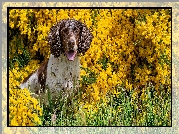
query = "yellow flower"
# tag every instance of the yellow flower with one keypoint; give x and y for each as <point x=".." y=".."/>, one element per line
<point x="115" y="39"/>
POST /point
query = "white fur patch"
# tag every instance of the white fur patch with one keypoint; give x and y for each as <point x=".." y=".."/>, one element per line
<point x="31" y="83"/>
<point x="62" y="74"/>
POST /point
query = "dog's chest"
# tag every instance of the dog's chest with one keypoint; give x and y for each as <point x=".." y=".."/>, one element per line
<point x="61" y="73"/>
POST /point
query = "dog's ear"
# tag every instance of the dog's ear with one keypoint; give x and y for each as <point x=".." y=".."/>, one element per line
<point x="86" y="39"/>
<point x="54" y="39"/>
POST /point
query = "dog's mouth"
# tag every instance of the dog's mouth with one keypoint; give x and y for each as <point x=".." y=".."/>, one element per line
<point x="71" y="55"/>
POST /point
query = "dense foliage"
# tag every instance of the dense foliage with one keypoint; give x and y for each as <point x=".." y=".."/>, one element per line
<point x="123" y="74"/>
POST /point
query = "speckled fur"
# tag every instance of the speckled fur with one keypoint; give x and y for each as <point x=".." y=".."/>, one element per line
<point x="56" y="43"/>
<point x="60" y="73"/>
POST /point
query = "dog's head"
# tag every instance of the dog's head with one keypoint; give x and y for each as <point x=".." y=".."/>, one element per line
<point x="69" y="37"/>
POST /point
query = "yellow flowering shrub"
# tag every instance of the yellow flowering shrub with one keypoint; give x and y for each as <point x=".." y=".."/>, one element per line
<point x="130" y="48"/>
<point x="24" y="110"/>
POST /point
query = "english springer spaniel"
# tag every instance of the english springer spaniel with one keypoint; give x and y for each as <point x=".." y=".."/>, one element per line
<point x="67" y="39"/>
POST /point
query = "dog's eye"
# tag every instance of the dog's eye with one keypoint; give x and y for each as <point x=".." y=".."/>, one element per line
<point x="65" y="31"/>
<point x="76" y="30"/>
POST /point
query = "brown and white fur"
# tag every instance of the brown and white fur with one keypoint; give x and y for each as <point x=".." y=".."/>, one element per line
<point x="67" y="39"/>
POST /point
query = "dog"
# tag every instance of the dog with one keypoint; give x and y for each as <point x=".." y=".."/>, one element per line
<point x="68" y="39"/>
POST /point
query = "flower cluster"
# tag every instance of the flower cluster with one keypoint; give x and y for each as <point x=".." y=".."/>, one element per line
<point x="24" y="110"/>
<point x="131" y="47"/>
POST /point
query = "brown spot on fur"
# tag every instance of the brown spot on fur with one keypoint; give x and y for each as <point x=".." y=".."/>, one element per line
<point x="42" y="75"/>
<point x="25" y="80"/>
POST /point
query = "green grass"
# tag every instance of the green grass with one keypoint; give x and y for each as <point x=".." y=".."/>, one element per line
<point x="147" y="107"/>
<point x="121" y="110"/>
